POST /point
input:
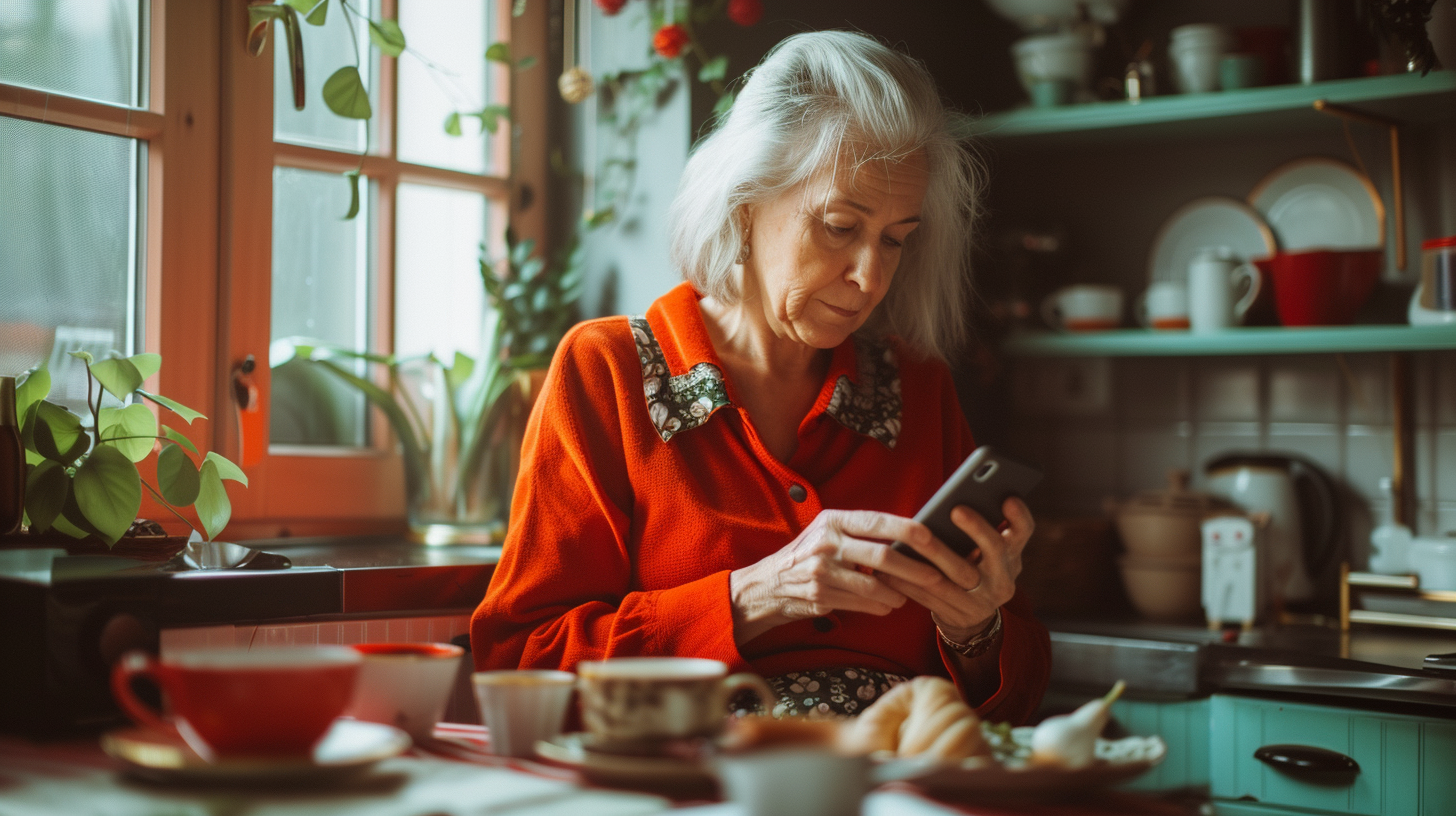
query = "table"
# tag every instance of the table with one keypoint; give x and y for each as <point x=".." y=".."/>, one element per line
<point x="449" y="776"/>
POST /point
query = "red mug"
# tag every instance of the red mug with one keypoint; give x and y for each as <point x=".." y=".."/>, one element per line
<point x="1322" y="287"/>
<point x="229" y="703"/>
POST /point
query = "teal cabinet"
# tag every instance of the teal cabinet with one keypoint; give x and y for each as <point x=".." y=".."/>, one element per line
<point x="1183" y="725"/>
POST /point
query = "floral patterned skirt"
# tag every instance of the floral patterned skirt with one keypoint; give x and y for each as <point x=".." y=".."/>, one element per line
<point x="842" y="692"/>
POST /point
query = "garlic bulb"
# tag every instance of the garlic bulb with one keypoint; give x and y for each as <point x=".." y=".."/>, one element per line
<point x="1069" y="740"/>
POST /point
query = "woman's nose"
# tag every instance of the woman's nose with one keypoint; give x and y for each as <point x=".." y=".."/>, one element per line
<point x="867" y="270"/>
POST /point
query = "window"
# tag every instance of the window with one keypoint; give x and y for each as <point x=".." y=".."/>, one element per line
<point x="157" y="194"/>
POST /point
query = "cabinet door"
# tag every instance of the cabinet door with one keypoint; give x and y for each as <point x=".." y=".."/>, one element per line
<point x="1405" y="763"/>
<point x="1183" y="727"/>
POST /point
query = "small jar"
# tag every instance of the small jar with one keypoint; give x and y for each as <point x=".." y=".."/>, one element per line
<point x="1438" y="274"/>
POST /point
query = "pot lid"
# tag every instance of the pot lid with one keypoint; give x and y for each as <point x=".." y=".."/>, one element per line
<point x="1176" y="499"/>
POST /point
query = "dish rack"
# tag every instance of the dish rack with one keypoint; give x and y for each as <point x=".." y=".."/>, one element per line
<point x="1439" y="605"/>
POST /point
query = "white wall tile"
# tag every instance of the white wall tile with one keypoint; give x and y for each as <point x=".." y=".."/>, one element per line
<point x="1369" y="457"/>
<point x="1153" y="389"/>
<point x="1148" y="452"/>
<point x="375" y="631"/>
<point x="1226" y="390"/>
<point x="1445" y="465"/>
<point x="1304" y="389"/>
<point x="1368" y="388"/>
<point x="1086" y="464"/>
<point x="1445" y="519"/>
<point x="1212" y="439"/>
<point x="1444" y="373"/>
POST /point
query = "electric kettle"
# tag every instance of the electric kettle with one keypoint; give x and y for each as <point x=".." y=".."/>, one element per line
<point x="1300" y="500"/>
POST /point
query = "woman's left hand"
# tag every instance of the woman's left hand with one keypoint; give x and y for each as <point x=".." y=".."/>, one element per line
<point x="972" y="588"/>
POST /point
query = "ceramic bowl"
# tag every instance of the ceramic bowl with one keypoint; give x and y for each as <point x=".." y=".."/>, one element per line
<point x="1051" y="57"/>
<point x="1163" y="590"/>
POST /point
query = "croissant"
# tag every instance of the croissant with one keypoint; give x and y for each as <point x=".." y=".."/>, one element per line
<point x="924" y="716"/>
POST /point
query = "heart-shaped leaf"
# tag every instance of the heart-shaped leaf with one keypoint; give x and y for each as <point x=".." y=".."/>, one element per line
<point x="108" y="491"/>
<point x="387" y="36"/>
<point x="452" y="123"/>
<point x="84" y="356"/>
<point x="212" y="504"/>
<point x="345" y="94"/>
<point x="32" y="387"/>
<point x="177" y="477"/>
<point x="46" y="490"/>
<point x="178" y="438"/>
<point x="174" y="406"/>
<point x="132" y="430"/>
<point x="57" y="433"/>
<point x="316" y="11"/>
<point x="117" y="375"/>
<point x="146" y="364"/>
<point x="225" y="468"/>
<point x="499" y="52"/>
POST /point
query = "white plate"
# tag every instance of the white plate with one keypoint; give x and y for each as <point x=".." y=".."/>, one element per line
<point x="1319" y="203"/>
<point x="349" y="747"/>
<point x="983" y="778"/>
<point x="1212" y="221"/>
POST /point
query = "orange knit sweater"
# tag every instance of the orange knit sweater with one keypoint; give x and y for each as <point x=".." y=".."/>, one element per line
<point x="642" y="486"/>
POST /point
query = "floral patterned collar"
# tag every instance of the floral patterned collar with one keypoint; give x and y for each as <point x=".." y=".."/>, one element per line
<point x="869" y="403"/>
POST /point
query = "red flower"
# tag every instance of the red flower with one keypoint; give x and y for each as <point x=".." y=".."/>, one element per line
<point x="745" y="12"/>
<point x="669" y="40"/>
<point x="610" y="7"/>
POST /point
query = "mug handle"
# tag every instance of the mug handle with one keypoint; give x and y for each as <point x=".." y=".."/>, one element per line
<point x="1051" y="310"/>
<point x="735" y="683"/>
<point x="1251" y="272"/>
<point x="132" y="665"/>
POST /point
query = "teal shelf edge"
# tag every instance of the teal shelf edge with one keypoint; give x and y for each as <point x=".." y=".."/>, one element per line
<point x="1401" y="96"/>
<point x="1277" y="340"/>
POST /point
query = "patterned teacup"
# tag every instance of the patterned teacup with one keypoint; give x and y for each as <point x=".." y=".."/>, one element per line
<point x="636" y="704"/>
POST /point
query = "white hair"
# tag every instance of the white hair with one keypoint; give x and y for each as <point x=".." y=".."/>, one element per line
<point x="815" y="98"/>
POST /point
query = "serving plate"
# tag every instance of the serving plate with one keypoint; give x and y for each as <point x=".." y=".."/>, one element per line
<point x="1210" y="221"/>
<point x="349" y="747"/>
<point x="1320" y="203"/>
<point x="629" y="770"/>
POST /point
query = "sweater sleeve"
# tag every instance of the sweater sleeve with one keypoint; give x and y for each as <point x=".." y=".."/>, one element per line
<point x="564" y="590"/>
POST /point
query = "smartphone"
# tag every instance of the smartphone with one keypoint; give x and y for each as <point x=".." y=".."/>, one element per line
<point x="983" y="483"/>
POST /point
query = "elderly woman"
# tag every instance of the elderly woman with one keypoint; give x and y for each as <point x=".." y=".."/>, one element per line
<point x="722" y="478"/>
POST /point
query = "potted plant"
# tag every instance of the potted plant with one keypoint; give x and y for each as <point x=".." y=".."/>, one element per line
<point x="81" y="473"/>
<point x="460" y="422"/>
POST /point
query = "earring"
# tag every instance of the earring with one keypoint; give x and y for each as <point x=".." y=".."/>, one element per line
<point x="744" y="250"/>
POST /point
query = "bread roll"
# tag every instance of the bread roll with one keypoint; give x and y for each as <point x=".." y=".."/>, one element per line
<point x="924" y="716"/>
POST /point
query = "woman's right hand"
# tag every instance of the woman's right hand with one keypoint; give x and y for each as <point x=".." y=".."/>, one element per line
<point x="826" y="569"/>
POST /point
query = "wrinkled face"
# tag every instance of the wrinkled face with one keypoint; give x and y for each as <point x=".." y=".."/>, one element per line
<point x="823" y="254"/>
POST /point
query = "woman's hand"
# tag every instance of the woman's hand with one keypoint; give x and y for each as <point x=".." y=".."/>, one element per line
<point x="840" y="562"/>
<point x="970" y="590"/>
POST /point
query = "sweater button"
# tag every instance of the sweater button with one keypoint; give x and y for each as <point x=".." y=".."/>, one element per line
<point x="823" y="624"/>
<point x="798" y="493"/>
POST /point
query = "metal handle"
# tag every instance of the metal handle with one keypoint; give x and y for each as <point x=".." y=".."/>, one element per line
<point x="1310" y="764"/>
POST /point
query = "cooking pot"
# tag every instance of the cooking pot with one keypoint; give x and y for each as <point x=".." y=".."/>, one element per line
<point x="1300" y="500"/>
<point x="1166" y="525"/>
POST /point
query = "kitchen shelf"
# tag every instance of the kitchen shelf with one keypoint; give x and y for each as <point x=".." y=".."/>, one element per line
<point x="1275" y="340"/>
<point x="1405" y="98"/>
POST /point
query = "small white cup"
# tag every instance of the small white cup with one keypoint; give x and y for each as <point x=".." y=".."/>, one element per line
<point x="406" y="685"/>
<point x="1083" y="307"/>
<point x="522" y="707"/>
<point x="809" y="781"/>
<point x="1214" y="276"/>
<point x="1195" y="52"/>
<point x="1164" y="306"/>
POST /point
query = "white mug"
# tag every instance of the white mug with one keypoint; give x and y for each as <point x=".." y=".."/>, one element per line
<point x="1164" y="306"/>
<point x="1214" y="276"/>
<point x="1083" y="307"/>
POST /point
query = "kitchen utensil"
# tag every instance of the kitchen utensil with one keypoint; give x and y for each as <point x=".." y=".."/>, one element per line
<point x="1302" y="533"/>
<point x="1434" y="560"/>
<point x="1162" y="590"/>
<point x="405" y="684"/>
<point x="1164" y="305"/>
<point x="1322" y="287"/>
<point x="1083" y="307"/>
<point x="1214" y="279"/>
<point x="230" y="703"/>
<point x="1211" y="221"/>
<point x="1434" y="300"/>
<point x="1231" y="588"/>
<point x="637" y="704"/>
<point x="1320" y="203"/>
<point x="1165" y="525"/>
<point x="522" y="707"/>
<point x="1062" y="56"/>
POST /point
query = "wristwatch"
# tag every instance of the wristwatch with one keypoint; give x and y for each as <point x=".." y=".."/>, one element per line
<point x="978" y="644"/>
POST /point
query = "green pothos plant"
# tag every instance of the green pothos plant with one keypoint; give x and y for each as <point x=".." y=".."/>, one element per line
<point x="81" y="475"/>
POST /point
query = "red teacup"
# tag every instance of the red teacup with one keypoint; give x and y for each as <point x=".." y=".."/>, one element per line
<point x="1322" y="287"/>
<point x="230" y="703"/>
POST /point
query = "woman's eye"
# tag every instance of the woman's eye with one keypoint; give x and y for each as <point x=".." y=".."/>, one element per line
<point x="836" y="229"/>
<point x="891" y="242"/>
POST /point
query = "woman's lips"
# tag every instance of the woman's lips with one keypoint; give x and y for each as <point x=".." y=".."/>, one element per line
<point x="842" y="312"/>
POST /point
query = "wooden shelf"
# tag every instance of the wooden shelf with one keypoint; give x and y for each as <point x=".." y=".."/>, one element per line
<point x="1277" y="340"/>
<point x="1407" y="98"/>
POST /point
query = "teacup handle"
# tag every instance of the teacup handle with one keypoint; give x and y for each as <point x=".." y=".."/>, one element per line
<point x="1250" y="272"/>
<point x="132" y="665"/>
<point x="735" y="683"/>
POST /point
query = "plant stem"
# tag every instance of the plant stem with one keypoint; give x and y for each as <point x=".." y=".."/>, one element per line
<point x="167" y="505"/>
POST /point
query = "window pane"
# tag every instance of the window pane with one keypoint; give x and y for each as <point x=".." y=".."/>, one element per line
<point x="68" y="250"/>
<point x="453" y="35"/>
<point x="86" y="48"/>
<point x="327" y="48"/>
<point x="320" y="292"/>
<point x="438" y="298"/>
